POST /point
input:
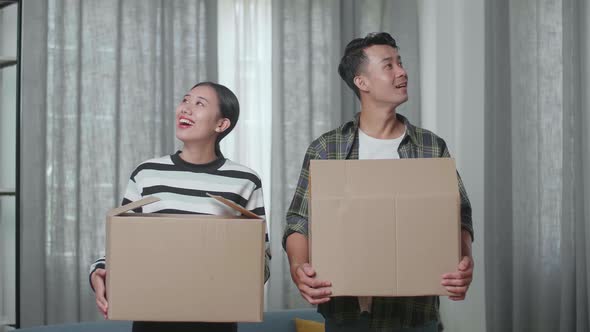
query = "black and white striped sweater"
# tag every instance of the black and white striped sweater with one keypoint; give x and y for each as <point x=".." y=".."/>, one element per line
<point x="182" y="187"/>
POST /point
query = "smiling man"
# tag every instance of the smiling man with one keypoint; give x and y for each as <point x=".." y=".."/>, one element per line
<point x="372" y="68"/>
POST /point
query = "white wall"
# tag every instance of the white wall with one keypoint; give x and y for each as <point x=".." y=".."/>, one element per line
<point x="8" y="34"/>
<point x="452" y="63"/>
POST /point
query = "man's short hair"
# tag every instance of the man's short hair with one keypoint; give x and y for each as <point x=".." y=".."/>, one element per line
<point x="354" y="56"/>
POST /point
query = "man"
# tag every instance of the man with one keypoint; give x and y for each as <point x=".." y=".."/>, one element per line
<point x="372" y="68"/>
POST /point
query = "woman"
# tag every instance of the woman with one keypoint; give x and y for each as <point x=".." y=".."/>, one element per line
<point x="206" y="114"/>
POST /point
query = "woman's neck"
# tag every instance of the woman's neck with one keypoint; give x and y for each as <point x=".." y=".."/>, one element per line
<point x="198" y="153"/>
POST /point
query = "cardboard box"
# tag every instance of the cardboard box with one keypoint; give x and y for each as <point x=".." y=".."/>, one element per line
<point x="192" y="268"/>
<point x="384" y="227"/>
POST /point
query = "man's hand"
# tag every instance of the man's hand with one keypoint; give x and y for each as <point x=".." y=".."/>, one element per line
<point x="313" y="290"/>
<point x="457" y="283"/>
<point x="98" y="280"/>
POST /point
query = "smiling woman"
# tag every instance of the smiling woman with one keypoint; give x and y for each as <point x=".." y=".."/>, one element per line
<point x="182" y="181"/>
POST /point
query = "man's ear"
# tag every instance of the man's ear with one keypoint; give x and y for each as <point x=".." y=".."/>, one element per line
<point x="361" y="83"/>
<point x="222" y="125"/>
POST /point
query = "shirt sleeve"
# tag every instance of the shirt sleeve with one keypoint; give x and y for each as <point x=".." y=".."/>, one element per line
<point x="466" y="219"/>
<point x="297" y="215"/>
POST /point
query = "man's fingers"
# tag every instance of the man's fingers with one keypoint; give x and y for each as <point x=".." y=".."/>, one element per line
<point x="455" y="282"/>
<point x="303" y="278"/>
<point x="314" y="301"/>
<point x="309" y="281"/>
<point x="315" y="293"/>
<point x="458" y="275"/>
<point x="320" y="283"/>
<point x="457" y="291"/>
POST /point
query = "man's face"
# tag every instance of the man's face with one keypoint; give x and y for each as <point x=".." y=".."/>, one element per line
<point x="384" y="77"/>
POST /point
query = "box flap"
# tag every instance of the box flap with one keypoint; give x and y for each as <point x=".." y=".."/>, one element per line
<point x="132" y="205"/>
<point x="234" y="206"/>
<point x="339" y="178"/>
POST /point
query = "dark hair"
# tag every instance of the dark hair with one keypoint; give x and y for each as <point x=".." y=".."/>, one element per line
<point x="229" y="107"/>
<point x="354" y="56"/>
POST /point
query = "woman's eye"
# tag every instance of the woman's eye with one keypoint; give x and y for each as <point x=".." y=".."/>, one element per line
<point x="200" y="104"/>
<point x="184" y="100"/>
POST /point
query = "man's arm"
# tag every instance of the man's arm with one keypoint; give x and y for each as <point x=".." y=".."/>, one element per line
<point x="466" y="220"/>
<point x="465" y="243"/>
<point x="458" y="282"/>
<point x="295" y="240"/>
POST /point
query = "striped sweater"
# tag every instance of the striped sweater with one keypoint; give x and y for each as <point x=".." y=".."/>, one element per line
<point x="183" y="187"/>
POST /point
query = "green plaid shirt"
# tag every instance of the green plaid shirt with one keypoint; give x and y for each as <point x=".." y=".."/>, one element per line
<point x="342" y="143"/>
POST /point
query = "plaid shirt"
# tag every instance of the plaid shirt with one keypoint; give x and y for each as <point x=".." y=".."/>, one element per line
<point x="343" y="143"/>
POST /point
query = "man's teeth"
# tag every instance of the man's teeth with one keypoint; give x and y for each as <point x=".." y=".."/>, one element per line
<point x="186" y="121"/>
<point x="403" y="85"/>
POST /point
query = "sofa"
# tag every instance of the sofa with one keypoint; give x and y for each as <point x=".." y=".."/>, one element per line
<point x="281" y="320"/>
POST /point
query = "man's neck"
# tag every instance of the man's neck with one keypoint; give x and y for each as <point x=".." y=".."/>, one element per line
<point x="380" y="121"/>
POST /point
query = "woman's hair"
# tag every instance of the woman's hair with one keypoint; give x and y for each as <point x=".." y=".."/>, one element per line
<point x="228" y="106"/>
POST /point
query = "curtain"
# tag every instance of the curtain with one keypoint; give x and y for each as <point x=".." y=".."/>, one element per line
<point x="101" y="87"/>
<point x="537" y="180"/>
<point x="511" y="100"/>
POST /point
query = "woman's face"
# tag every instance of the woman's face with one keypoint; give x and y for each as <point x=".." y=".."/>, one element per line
<point x="198" y="118"/>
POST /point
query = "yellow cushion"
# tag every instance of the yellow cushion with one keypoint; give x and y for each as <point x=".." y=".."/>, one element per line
<point x="303" y="325"/>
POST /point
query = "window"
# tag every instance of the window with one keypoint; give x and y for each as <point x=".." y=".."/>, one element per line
<point x="8" y="116"/>
<point x="245" y="67"/>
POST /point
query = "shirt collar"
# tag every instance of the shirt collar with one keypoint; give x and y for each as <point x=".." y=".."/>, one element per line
<point x="354" y="126"/>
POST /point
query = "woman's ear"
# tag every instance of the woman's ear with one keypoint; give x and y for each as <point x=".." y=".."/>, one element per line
<point x="222" y="125"/>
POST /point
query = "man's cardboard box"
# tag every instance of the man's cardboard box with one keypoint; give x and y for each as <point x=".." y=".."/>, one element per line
<point x="384" y="227"/>
<point x="174" y="267"/>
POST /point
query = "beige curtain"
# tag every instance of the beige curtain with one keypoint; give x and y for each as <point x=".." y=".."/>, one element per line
<point x="537" y="180"/>
<point x="101" y="81"/>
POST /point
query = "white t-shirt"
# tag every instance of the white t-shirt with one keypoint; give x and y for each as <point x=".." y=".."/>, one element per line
<point x="375" y="148"/>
